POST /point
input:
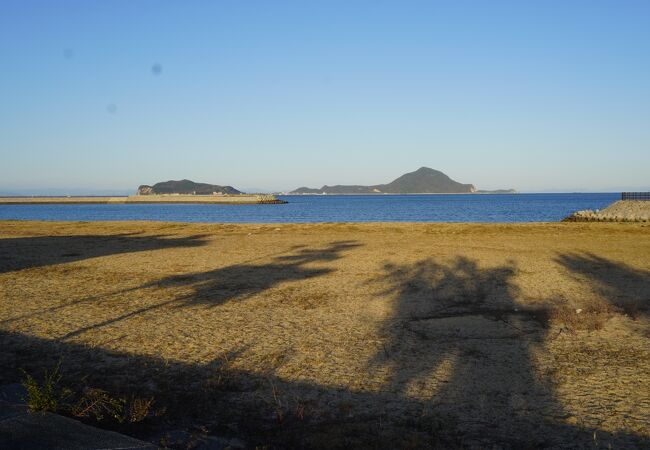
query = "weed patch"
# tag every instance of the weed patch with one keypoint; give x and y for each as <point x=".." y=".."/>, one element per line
<point x="45" y="396"/>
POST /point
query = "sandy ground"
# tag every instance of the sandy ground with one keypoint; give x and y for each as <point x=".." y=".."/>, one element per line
<point x="338" y="335"/>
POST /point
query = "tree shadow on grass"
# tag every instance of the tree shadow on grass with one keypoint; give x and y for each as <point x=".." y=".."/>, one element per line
<point x="622" y="286"/>
<point x="456" y="330"/>
<point x="458" y="335"/>
<point x="241" y="281"/>
<point x="42" y="251"/>
<point x="236" y="282"/>
<point x="264" y="410"/>
<point x="38" y="251"/>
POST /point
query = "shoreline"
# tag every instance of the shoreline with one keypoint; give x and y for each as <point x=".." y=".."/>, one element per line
<point x="334" y="226"/>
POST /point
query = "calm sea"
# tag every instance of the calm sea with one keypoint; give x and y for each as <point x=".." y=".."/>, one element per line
<point x="337" y="208"/>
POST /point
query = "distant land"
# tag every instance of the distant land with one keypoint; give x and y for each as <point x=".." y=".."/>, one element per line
<point x="422" y="181"/>
<point x="497" y="191"/>
<point x="185" y="187"/>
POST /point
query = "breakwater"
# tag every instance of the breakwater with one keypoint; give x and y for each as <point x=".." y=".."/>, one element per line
<point x="243" y="199"/>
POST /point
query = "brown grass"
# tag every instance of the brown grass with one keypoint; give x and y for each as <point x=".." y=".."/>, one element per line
<point x="364" y="335"/>
<point x="591" y="318"/>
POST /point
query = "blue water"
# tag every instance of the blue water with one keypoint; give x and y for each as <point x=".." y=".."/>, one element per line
<point x="337" y="208"/>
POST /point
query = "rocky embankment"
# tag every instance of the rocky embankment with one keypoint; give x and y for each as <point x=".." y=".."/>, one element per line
<point x="620" y="211"/>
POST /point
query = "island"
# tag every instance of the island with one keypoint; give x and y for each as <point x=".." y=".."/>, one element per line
<point x="182" y="191"/>
<point x="423" y="181"/>
<point x="187" y="187"/>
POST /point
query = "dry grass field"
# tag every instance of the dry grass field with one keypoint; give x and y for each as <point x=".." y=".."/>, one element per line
<point x="343" y="335"/>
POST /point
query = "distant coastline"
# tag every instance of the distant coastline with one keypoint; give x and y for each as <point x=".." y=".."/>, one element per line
<point x="380" y="194"/>
<point x="422" y="181"/>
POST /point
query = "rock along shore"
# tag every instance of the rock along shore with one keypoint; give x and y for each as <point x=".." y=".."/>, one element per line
<point x="620" y="211"/>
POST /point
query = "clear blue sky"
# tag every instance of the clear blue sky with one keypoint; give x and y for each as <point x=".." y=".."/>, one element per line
<point x="535" y="95"/>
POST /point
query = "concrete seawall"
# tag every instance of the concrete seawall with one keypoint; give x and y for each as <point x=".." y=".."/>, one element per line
<point x="210" y="199"/>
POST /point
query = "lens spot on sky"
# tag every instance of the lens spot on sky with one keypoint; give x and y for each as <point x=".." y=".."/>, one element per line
<point x="156" y="69"/>
<point x="68" y="53"/>
<point x="111" y="108"/>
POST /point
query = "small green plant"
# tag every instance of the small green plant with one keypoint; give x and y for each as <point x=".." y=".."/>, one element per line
<point x="99" y="405"/>
<point x="280" y="410"/>
<point x="45" y="396"/>
<point x="89" y="403"/>
<point x="138" y="409"/>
